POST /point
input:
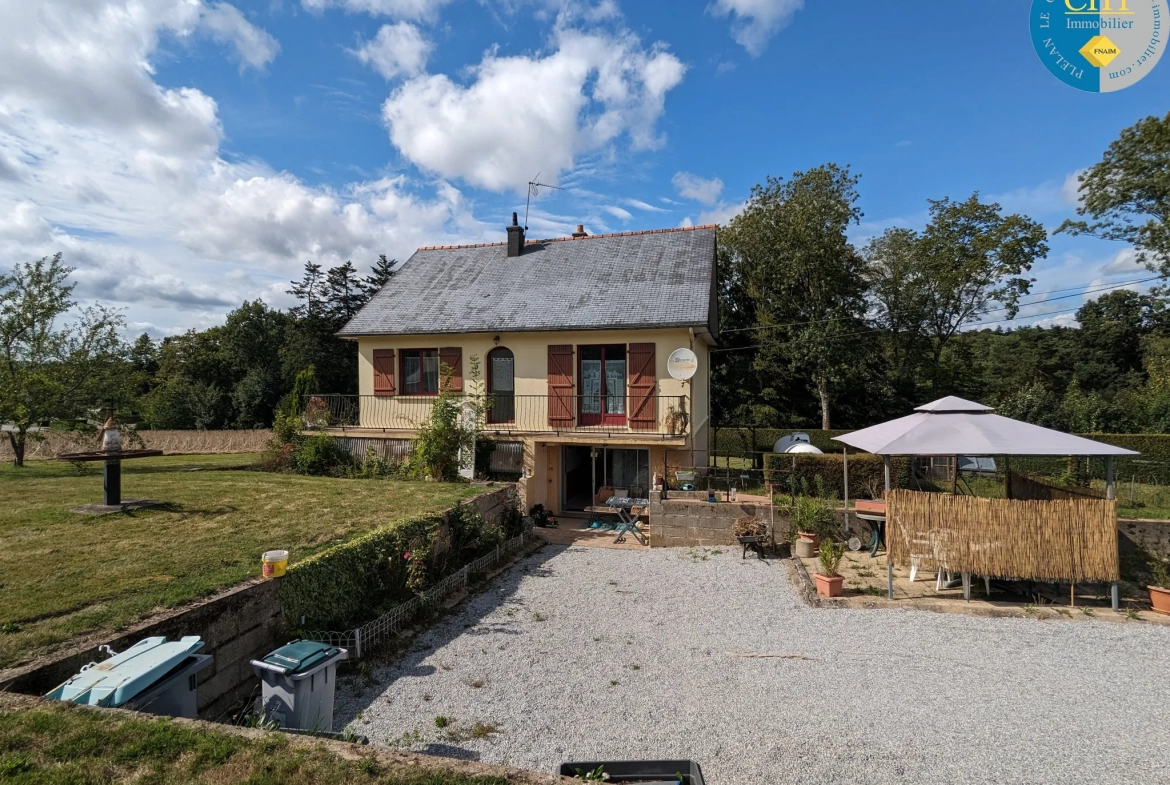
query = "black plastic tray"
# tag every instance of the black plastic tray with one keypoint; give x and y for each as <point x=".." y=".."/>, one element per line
<point x="651" y="772"/>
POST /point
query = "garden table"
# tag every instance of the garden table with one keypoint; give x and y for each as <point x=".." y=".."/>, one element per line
<point x="628" y="518"/>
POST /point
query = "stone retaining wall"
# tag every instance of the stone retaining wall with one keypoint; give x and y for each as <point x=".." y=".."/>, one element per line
<point x="1152" y="535"/>
<point x="237" y="626"/>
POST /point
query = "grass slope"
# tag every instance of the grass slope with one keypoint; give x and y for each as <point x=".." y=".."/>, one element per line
<point x="63" y="575"/>
<point x="62" y="744"/>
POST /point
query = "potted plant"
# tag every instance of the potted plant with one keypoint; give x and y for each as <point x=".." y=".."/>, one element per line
<point x="812" y="520"/>
<point x="829" y="580"/>
<point x="1159" y="588"/>
<point x="751" y="532"/>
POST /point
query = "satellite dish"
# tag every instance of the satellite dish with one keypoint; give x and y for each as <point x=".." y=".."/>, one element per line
<point x="682" y="364"/>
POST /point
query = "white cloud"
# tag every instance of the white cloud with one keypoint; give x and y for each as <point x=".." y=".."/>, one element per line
<point x="1072" y="187"/>
<point x="721" y="213"/>
<point x="227" y="25"/>
<point x="618" y="212"/>
<point x="126" y="178"/>
<point x="638" y="204"/>
<point x="754" y="22"/>
<point x="527" y="114"/>
<point x="691" y="186"/>
<point x="418" y="10"/>
<point x="398" y="49"/>
<point x="1124" y="262"/>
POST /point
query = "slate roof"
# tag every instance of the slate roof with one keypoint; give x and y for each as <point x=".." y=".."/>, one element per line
<point x="661" y="278"/>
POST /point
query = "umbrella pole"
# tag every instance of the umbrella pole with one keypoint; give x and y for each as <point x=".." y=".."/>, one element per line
<point x="845" y="463"/>
<point x="889" y="562"/>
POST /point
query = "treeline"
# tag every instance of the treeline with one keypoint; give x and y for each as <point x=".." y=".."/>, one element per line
<point x="819" y="333"/>
<point x="234" y="375"/>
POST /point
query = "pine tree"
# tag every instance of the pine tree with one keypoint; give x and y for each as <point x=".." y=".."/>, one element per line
<point x="310" y="291"/>
<point x="344" y="293"/>
<point x="380" y="275"/>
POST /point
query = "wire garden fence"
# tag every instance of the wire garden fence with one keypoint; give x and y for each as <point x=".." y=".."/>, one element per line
<point x="363" y="640"/>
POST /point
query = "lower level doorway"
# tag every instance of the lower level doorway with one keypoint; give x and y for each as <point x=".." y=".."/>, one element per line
<point x="586" y="469"/>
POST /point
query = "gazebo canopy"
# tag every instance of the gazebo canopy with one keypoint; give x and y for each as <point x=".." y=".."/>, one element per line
<point x="953" y="426"/>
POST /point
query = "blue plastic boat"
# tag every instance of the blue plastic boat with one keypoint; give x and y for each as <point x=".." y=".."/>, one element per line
<point x="120" y="678"/>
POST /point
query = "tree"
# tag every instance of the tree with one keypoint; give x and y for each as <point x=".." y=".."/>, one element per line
<point x="967" y="263"/>
<point x="803" y="277"/>
<point x="310" y="290"/>
<point x="253" y="337"/>
<point x="899" y="304"/>
<point x="1127" y="193"/>
<point x="51" y="371"/>
<point x="380" y="275"/>
<point x="344" y="292"/>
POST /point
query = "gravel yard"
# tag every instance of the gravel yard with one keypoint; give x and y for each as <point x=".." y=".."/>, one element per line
<point x="589" y="654"/>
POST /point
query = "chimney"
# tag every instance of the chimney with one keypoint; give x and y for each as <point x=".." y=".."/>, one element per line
<point x="580" y="231"/>
<point x="515" y="238"/>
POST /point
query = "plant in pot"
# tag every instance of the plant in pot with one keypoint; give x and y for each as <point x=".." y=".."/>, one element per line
<point x="829" y="580"/>
<point x="1159" y="587"/>
<point x="813" y="520"/>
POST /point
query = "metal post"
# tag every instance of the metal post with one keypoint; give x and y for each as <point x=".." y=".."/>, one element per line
<point x="357" y="643"/>
<point x="889" y="563"/>
<point x="1115" y="596"/>
<point x="845" y="464"/>
<point x="112" y="483"/>
<point x="1109" y="477"/>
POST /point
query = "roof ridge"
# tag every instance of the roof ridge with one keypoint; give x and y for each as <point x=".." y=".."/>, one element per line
<point x="572" y="239"/>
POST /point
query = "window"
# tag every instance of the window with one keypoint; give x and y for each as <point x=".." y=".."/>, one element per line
<point x="501" y="385"/>
<point x="420" y="371"/>
<point x="603" y="385"/>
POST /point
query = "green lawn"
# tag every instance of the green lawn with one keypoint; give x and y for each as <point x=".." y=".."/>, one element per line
<point x="60" y="744"/>
<point x="63" y="575"/>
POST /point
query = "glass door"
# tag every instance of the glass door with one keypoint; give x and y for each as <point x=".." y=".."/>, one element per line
<point x="602" y="373"/>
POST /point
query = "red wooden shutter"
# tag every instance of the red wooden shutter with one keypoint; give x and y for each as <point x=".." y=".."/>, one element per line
<point x="453" y="357"/>
<point x="560" y="386"/>
<point x="384" y="372"/>
<point x="643" y="401"/>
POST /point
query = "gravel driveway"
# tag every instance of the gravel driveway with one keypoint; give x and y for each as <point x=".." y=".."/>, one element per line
<point x="588" y="654"/>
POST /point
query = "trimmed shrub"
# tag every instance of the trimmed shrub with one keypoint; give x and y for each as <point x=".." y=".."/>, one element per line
<point x="741" y="441"/>
<point x="803" y="474"/>
<point x="353" y="582"/>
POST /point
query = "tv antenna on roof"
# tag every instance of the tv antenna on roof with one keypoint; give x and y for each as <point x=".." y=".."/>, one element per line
<point x="533" y="189"/>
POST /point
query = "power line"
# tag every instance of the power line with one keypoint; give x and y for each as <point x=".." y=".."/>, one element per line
<point x="873" y="330"/>
<point x="1077" y="289"/>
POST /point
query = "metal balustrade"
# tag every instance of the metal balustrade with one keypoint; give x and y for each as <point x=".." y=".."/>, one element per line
<point x="664" y="415"/>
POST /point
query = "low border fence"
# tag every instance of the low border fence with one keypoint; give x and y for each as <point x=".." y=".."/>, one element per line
<point x="361" y="640"/>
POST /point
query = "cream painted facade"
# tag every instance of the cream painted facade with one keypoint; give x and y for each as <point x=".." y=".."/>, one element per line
<point x="390" y="416"/>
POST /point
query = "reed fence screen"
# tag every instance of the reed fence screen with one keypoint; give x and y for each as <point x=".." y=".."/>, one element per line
<point x="1063" y="540"/>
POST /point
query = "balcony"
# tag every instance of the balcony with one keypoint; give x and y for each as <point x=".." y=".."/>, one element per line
<point x="663" y="416"/>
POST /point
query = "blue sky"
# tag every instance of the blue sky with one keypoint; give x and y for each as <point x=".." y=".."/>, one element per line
<point x="185" y="154"/>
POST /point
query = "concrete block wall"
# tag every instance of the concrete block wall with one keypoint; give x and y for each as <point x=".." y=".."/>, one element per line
<point x="686" y="519"/>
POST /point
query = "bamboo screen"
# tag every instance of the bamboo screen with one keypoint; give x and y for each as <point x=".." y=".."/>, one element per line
<point x="1065" y="540"/>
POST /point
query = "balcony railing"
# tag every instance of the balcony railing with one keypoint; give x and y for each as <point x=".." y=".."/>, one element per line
<point x="664" y="415"/>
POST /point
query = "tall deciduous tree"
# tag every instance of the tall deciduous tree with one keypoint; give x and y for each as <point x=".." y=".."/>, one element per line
<point x="968" y="262"/>
<point x="1127" y="193"/>
<point x="803" y="276"/>
<point x="50" y="370"/>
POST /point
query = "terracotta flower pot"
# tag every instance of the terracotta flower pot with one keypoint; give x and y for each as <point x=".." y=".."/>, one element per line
<point x="829" y="587"/>
<point x="1160" y="599"/>
<point x="807" y="536"/>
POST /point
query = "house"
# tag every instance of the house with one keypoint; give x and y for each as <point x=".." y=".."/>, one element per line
<point x="569" y="341"/>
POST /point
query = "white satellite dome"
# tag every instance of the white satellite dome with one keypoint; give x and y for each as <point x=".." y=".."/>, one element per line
<point x="798" y="442"/>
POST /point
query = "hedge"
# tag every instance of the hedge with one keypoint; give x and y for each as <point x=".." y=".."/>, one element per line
<point x="351" y="582"/>
<point x="799" y="473"/>
<point x="741" y="441"/>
